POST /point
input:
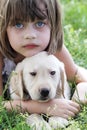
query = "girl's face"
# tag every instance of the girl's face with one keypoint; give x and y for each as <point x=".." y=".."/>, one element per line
<point x="29" y="38"/>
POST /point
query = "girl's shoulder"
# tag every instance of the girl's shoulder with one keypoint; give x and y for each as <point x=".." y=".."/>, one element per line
<point x="8" y="66"/>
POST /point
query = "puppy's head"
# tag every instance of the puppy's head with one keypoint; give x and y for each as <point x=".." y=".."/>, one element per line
<point x="39" y="77"/>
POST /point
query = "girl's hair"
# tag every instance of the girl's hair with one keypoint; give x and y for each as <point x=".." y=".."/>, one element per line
<point x="12" y="11"/>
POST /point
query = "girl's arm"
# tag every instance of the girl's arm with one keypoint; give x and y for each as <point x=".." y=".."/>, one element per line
<point x="1" y="65"/>
<point x="57" y="107"/>
<point x="73" y="71"/>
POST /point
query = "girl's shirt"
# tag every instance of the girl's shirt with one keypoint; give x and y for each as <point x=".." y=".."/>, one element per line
<point x="8" y="67"/>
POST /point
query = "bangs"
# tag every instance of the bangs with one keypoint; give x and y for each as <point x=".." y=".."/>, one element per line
<point x="25" y="10"/>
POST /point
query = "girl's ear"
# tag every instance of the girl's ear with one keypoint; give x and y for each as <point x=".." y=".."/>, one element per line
<point x="16" y="84"/>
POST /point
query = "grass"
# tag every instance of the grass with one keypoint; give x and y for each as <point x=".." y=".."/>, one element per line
<point x="75" y="29"/>
<point x="75" y="38"/>
<point x="12" y="120"/>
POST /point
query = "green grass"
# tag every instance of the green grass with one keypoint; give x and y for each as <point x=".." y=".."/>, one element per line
<point x="75" y="38"/>
<point x="12" y="120"/>
<point x="75" y="29"/>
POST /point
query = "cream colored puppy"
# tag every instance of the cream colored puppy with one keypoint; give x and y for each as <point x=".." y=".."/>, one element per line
<point x="41" y="77"/>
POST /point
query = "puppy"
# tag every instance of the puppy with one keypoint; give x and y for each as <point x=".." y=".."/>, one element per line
<point x="41" y="77"/>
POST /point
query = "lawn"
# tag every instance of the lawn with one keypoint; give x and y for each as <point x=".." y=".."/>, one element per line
<point x="75" y="38"/>
<point x="74" y="17"/>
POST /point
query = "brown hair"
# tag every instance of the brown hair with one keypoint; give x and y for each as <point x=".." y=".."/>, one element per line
<point x="13" y="10"/>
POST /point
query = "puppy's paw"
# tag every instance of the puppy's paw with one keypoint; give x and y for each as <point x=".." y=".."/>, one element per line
<point x="36" y="122"/>
<point x="57" y="122"/>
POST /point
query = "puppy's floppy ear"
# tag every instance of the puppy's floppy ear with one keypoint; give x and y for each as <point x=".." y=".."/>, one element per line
<point x="16" y="84"/>
<point x="63" y="79"/>
<point x="62" y="76"/>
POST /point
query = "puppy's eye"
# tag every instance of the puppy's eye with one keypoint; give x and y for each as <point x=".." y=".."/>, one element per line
<point x="33" y="73"/>
<point x="53" y="72"/>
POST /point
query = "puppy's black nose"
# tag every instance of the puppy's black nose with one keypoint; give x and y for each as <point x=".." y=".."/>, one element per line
<point x="44" y="92"/>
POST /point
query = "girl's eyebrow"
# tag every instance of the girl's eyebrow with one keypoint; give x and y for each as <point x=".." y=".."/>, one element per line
<point x="14" y="21"/>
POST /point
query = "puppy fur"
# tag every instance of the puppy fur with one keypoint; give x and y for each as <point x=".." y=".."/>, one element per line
<point x="41" y="77"/>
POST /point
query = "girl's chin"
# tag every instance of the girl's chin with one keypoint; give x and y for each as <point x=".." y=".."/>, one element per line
<point x="31" y="54"/>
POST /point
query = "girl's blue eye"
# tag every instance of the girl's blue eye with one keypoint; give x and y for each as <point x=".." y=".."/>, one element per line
<point x="40" y="24"/>
<point x="19" y="25"/>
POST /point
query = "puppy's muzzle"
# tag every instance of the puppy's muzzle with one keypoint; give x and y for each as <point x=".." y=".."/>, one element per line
<point x="44" y="93"/>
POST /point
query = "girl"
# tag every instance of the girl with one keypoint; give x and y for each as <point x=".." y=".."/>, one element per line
<point x="28" y="27"/>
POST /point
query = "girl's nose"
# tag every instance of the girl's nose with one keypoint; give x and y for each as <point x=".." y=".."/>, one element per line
<point x="29" y="36"/>
<point x="30" y="32"/>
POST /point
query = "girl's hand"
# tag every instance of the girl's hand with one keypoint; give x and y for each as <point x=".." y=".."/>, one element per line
<point x="63" y="108"/>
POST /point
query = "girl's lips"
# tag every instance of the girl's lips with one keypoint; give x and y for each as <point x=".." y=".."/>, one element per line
<point x="30" y="46"/>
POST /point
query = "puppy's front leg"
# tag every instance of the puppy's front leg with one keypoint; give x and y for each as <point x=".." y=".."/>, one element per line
<point x="36" y="122"/>
<point x="57" y="122"/>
